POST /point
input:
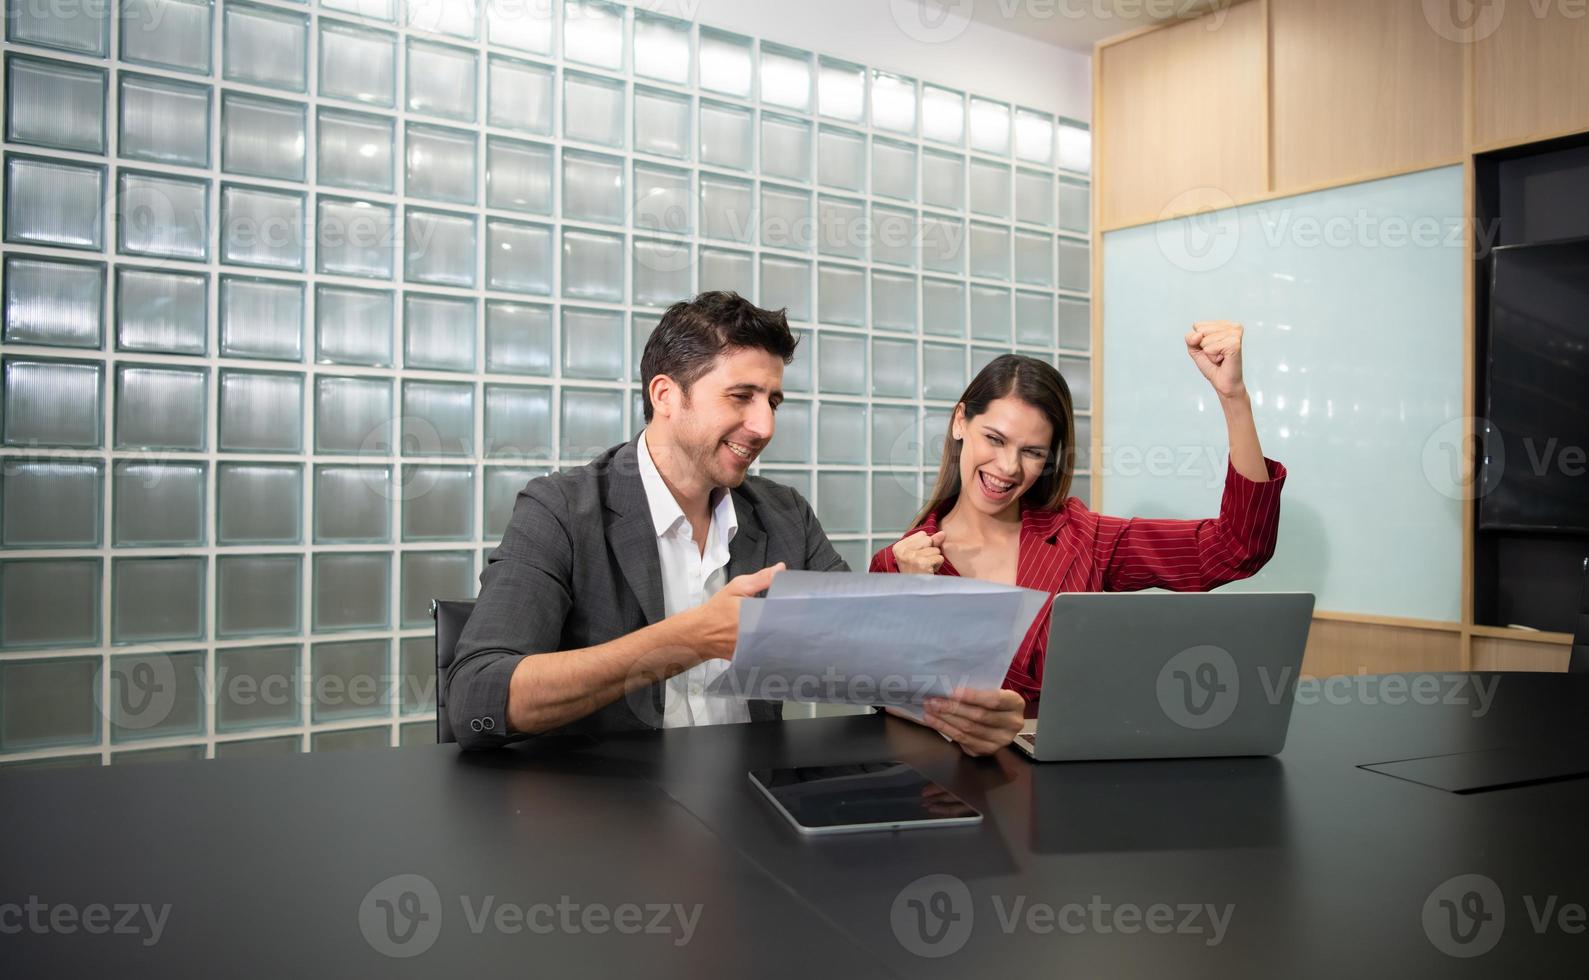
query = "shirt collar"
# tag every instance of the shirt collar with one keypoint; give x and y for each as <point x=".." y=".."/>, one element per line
<point x="665" y="510"/>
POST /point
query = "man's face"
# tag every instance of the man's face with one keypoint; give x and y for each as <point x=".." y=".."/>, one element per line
<point x="726" y="419"/>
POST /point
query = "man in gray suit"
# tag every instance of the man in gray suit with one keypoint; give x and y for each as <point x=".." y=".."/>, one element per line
<point x="614" y="597"/>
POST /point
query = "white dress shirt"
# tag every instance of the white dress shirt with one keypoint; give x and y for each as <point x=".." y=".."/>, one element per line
<point x="689" y="577"/>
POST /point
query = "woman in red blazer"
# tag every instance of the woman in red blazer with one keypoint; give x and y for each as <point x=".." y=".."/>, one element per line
<point x="1011" y="441"/>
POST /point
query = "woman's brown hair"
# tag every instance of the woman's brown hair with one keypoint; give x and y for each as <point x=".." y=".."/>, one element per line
<point x="1041" y="386"/>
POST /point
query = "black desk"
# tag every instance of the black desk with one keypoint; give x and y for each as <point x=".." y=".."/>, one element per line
<point x="1325" y="869"/>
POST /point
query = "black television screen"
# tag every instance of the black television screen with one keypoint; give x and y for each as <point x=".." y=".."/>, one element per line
<point x="1534" y="470"/>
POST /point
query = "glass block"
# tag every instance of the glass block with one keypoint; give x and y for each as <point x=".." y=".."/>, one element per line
<point x="725" y="62"/>
<point x="841" y="295"/>
<point x="154" y="599"/>
<point x="438" y="418"/>
<point x="841" y="228"/>
<point x="1083" y="443"/>
<point x="894" y="438"/>
<point x="49" y="602"/>
<point x="593" y="187"/>
<point x="990" y="314"/>
<point x="256" y="687"/>
<point x="253" y="748"/>
<point x="1075" y="323"/>
<point x="727" y="208"/>
<point x="593" y="33"/>
<point x="256" y="595"/>
<point x="1034" y="136"/>
<point x="428" y="575"/>
<point x="893" y="235"/>
<point x="417" y="684"/>
<point x="662" y="199"/>
<point x="353" y="739"/>
<point x="1075" y="270"/>
<point x="353" y="326"/>
<point x="520" y="95"/>
<point x="893" y="102"/>
<point x="262" y="137"/>
<point x="353" y="504"/>
<point x="518" y="421"/>
<point x="518" y="338"/>
<point x="786" y="284"/>
<point x="990" y="188"/>
<point x="893" y="368"/>
<point x="262" y="227"/>
<point x="592" y="344"/>
<point x="351" y="590"/>
<point x="357" y="64"/>
<point x="593" y="265"/>
<point x="441" y="80"/>
<point x="786" y="217"/>
<point x="593" y="109"/>
<point x="785" y="77"/>
<point x="841" y="503"/>
<point x="841" y="364"/>
<point x="83" y="28"/>
<point x="1034" y="197"/>
<point x="352" y="679"/>
<point x="160" y="408"/>
<point x="49" y="703"/>
<point x="661" y="48"/>
<point x="982" y="356"/>
<point x="518" y="257"/>
<point x="1075" y="205"/>
<point x="378" y="9"/>
<point x="662" y="123"/>
<point x="354" y="238"/>
<point x="726" y="132"/>
<point x="1077" y="372"/>
<point x="168" y="217"/>
<point x="841" y="90"/>
<point x="1034" y="258"/>
<point x="353" y="415"/>
<point x="261" y="318"/>
<point x="841" y="158"/>
<point x="51" y="503"/>
<point x="56" y="203"/>
<point x="943" y="369"/>
<point x="943" y="180"/>
<point x="1034" y="319"/>
<point x="354" y="149"/>
<point x="265" y="46"/>
<point x="641" y="326"/>
<point x="515" y="24"/>
<point x="841" y="433"/>
<point x="661" y="272"/>
<point x="168" y="33"/>
<point x="592" y="422"/>
<point x="518" y="175"/>
<point x="439" y="248"/>
<point x="55" y="104"/>
<point x="943" y="306"/>
<point x="1073" y="146"/>
<point x="160" y="756"/>
<point x="785" y="148"/>
<point x="990" y="126"/>
<point x="943" y="115"/>
<point x="158" y="504"/>
<point x="1081" y="489"/>
<point x="894" y="302"/>
<point x="893" y="169"/>
<point x="258" y="503"/>
<point x="438" y="503"/>
<point x="797" y="373"/>
<point x="896" y="497"/>
<point x="261" y="412"/>
<point x="52" y="403"/>
<point x="935" y="425"/>
<point x="161" y="311"/>
<point x="943" y="244"/>
<point x="989" y="251"/>
<point x="438" y="332"/>
<point x="791" y="442"/>
<point x="54" y="302"/>
<point x="728" y="271"/>
<point x="459" y="18"/>
<point x="441" y="163"/>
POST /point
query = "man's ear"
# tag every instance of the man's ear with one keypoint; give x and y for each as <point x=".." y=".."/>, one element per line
<point x="663" y="392"/>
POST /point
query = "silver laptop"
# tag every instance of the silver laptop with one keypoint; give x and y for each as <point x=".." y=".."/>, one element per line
<point x="1156" y="675"/>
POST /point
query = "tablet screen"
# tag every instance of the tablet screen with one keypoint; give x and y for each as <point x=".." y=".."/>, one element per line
<point x="861" y="794"/>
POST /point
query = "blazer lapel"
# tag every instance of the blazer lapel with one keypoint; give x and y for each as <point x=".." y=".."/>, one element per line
<point x="1046" y="556"/>
<point x="748" y="551"/>
<point x="631" y="535"/>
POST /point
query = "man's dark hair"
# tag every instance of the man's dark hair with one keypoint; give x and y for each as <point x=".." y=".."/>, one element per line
<point x="693" y="332"/>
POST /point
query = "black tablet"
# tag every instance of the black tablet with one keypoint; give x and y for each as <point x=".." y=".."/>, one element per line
<point x="861" y="796"/>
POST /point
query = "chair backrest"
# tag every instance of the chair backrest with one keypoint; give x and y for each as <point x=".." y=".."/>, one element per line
<point x="450" y="616"/>
<point x="1578" y="662"/>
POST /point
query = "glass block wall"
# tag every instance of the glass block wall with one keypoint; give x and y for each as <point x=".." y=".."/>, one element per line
<point x="297" y="297"/>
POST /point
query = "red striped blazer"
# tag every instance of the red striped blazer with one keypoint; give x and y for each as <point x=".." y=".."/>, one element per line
<point x="1073" y="549"/>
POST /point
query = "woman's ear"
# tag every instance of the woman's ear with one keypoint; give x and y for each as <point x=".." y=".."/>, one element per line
<point x="957" y="424"/>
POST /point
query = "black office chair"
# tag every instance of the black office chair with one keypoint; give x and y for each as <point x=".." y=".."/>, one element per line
<point x="450" y="616"/>
<point x="1578" y="662"/>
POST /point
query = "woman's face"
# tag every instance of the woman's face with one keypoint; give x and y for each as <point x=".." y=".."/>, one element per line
<point x="1002" y="452"/>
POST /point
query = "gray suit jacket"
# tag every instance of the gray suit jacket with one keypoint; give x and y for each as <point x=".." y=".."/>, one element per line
<point x="578" y="566"/>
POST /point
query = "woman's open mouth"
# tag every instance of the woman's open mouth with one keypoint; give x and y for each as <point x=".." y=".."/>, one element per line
<point x="995" y="489"/>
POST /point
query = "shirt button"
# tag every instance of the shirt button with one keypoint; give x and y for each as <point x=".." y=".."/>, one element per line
<point x="695" y="690"/>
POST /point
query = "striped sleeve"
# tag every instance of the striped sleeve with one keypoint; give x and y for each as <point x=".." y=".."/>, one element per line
<point x="1195" y="556"/>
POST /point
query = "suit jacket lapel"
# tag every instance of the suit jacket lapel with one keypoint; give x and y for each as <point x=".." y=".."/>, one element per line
<point x="632" y="535"/>
<point x="748" y="551"/>
<point x="1046" y="555"/>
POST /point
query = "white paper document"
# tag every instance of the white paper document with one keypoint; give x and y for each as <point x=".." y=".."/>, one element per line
<point x="855" y="638"/>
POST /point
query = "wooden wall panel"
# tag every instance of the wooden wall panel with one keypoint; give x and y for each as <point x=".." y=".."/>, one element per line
<point x="1361" y="88"/>
<point x="1337" y="647"/>
<point x="1183" y="108"/>
<point x="1496" y="653"/>
<point x="1531" y="75"/>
